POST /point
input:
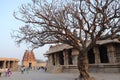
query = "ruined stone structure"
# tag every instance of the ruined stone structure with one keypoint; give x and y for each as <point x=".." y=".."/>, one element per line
<point x="29" y="59"/>
<point x="11" y="63"/>
<point x="105" y="57"/>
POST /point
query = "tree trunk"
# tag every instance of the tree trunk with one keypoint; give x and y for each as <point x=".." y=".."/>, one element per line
<point x="83" y="67"/>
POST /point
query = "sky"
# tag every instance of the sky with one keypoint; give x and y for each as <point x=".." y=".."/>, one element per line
<point x="8" y="23"/>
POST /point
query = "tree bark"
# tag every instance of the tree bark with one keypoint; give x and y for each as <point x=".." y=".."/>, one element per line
<point x="83" y="66"/>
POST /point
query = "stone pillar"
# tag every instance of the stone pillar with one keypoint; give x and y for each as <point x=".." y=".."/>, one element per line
<point x="74" y="59"/>
<point x="111" y="53"/>
<point x="50" y="60"/>
<point x="97" y="55"/>
<point x="8" y="64"/>
<point x="53" y="59"/>
<point x="56" y="61"/>
<point x="65" y="54"/>
<point x="4" y="64"/>
<point x="75" y="54"/>
<point x="14" y="65"/>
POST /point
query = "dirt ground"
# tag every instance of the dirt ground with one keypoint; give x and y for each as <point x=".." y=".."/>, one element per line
<point x="41" y="75"/>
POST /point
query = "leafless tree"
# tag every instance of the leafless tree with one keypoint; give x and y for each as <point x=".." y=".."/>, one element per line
<point x="73" y="22"/>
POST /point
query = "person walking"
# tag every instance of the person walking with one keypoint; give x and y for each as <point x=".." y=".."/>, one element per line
<point x="9" y="72"/>
<point x="22" y="69"/>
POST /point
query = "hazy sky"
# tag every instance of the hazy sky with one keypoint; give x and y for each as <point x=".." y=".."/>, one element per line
<point x="8" y="48"/>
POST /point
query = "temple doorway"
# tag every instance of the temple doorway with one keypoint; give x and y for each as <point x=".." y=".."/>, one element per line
<point x="61" y="58"/>
<point x="30" y="65"/>
<point x="103" y="54"/>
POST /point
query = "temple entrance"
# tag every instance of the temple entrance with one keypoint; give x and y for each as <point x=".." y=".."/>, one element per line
<point x="70" y="57"/>
<point x="91" y="57"/>
<point x="30" y="65"/>
<point x="103" y="54"/>
<point x="61" y="58"/>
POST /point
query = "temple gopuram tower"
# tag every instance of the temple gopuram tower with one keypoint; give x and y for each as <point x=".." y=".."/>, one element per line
<point x="29" y="59"/>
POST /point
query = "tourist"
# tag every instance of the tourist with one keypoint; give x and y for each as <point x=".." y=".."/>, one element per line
<point x="9" y="73"/>
<point x="22" y="69"/>
<point x="6" y="72"/>
<point x="27" y="69"/>
<point x="45" y="69"/>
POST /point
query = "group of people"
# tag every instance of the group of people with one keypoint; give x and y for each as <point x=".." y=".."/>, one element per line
<point x="7" y="72"/>
<point x="23" y="69"/>
<point x="43" y="68"/>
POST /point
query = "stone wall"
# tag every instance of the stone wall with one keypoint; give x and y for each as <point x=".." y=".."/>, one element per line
<point x="105" y="68"/>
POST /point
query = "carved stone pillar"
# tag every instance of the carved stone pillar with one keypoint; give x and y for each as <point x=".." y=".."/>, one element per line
<point x="56" y="59"/>
<point x="14" y="65"/>
<point x="4" y="64"/>
<point x="50" y="60"/>
<point x="97" y="55"/>
<point x="8" y="64"/>
<point x="65" y="54"/>
<point x="74" y="56"/>
<point x="111" y="53"/>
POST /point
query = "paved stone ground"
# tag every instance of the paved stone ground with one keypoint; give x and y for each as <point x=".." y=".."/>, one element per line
<point x="40" y="75"/>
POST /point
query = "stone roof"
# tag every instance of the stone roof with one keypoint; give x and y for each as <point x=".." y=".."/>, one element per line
<point x="61" y="47"/>
<point x="9" y="59"/>
<point x="101" y="42"/>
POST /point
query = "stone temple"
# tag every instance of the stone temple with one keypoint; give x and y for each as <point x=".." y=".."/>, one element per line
<point x="11" y="63"/>
<point x="104" y="57"/>
<point x="29" y="59"/>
